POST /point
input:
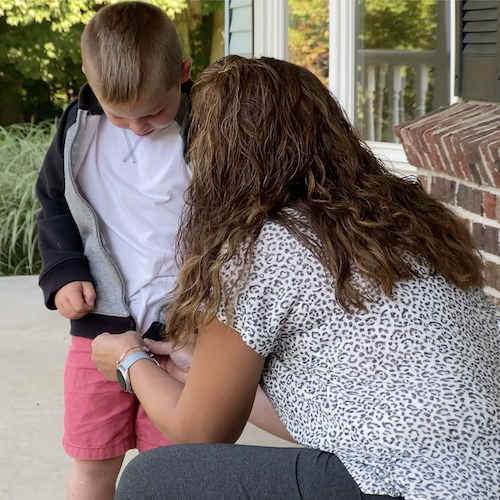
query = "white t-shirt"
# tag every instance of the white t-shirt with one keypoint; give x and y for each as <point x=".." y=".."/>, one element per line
<point x="407" y="394"/>
<point x="136" y="185"/>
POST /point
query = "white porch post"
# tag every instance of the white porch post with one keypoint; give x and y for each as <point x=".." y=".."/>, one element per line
<point x="270" y="28"/>
<point x="342" y="62"/>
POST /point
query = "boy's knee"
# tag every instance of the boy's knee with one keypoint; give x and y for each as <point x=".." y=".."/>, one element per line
<point x="98" y="468"/>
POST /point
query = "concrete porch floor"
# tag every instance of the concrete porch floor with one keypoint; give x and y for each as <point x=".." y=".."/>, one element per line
<point x="33" y="345"/>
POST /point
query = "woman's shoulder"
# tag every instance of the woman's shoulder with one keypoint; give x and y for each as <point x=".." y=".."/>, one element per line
<point x="277" y="239"/>
<point x="273" y="231"/>
<point x="279" y="229"/>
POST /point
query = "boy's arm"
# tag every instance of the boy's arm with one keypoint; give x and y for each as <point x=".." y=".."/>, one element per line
<point x="58" y="237"/>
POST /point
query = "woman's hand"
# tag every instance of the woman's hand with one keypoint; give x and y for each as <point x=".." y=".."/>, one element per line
<point x="214" y="402"/>
<point x="176" y="361"/>
<point x="108" y="348"/>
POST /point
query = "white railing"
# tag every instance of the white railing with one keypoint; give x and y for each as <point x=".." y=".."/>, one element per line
<point x="385" y="74"/>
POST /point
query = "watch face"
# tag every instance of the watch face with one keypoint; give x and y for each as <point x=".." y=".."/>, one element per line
<point x="122" y="370"/>
<point x="121" y="379"/>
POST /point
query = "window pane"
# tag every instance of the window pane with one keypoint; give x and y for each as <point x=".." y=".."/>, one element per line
<point x="403" y="63"/>
<point x="308" y="33"/>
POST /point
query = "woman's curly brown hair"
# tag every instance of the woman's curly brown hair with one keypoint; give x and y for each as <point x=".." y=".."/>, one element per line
<point x="267" y="136"/>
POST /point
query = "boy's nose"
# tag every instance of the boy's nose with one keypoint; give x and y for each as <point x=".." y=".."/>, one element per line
<point x="137" y="127"/>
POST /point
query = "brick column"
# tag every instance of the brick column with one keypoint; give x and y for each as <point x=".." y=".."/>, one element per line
<point x="457" y="154"/>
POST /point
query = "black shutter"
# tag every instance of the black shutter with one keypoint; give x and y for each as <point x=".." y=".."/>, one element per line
<point x="478" y="51"/>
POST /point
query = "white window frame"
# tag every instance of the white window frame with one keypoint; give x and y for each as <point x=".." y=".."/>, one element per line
<point x="271" y="39"/>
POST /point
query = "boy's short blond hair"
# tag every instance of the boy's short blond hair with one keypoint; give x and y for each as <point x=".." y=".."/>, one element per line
<point x="131" y="50"/>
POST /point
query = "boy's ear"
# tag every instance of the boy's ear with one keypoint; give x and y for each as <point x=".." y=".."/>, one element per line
<point x="83" y="69"/>
<point x="186" y="69"/>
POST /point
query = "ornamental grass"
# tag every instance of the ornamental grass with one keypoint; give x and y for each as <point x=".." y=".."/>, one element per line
<point x="22" y="150"/>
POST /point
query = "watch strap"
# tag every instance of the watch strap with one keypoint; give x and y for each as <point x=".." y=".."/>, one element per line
<point x="135" y="356"/>
<point x="122" y="370"/>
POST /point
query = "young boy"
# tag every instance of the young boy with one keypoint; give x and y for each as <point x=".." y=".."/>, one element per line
<point x="111" y="189"/>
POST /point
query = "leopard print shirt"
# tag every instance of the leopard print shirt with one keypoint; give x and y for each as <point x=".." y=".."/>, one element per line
<point x="406" y="394"/>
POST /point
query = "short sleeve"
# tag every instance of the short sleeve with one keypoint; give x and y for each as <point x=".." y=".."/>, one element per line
<point x="270" y="291"/>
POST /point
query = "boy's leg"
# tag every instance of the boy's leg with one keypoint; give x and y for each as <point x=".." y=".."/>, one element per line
<point x="148" y="436"/>
<point x="99" y="425"/>
<point x="93" y="479"/>
<point x="236" y="472"/>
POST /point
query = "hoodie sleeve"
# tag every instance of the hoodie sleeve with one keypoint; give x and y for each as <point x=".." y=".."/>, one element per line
<point x="59" y="240"/>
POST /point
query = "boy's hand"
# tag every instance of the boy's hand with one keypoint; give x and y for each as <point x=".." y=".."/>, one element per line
<point x="75" y="300"/>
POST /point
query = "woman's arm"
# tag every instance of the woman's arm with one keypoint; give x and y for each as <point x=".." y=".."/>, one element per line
<point x="177" y="362"/>
<point x="216" y="401"/>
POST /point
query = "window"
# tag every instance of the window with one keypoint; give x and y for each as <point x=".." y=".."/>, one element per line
<point x="386" y="62"/>
<point x="403" y="63"/>
<point x="401" y="56"/>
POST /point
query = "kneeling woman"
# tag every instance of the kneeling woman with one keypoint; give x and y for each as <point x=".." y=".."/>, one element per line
<point x="346" y="294"/>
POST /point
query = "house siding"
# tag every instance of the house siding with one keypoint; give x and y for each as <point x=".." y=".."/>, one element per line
<point x="239" y="27"/>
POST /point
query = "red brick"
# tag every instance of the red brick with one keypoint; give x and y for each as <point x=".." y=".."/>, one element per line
<point x="490" y="205"/>
<point x="443" y="189"/>
<point x="460" y="159"/>
<point x="490" y="274"/>
<point x="487" y="146"/>
<point x="497" y="212"/>
<point x="446" y="156"/>
<point x="471" y="199"/>
<point x="486" y="238"/>
<point x="438" y="127"/>
<point x="467" y="224"/>
<point x="424" y="180"/>
<point x="451" y="128"/>
<point x="449" y="146"/>
<point x="493" y="154"/>
<point x="475" y="141"/>
<point x="457" y="140"/>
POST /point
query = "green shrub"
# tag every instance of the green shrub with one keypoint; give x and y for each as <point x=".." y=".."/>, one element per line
<point x="22" y="149"/>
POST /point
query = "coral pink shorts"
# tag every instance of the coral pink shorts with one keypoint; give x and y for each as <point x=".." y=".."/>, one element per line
<point x="101" y="421"/>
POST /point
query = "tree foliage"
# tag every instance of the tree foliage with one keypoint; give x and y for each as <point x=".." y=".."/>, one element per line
<point x="384" y="24"/>
<point x="64" y="14"/>
<point x="40" y="64"/>
<point x="399" y="24"/>
<point x="308" y="35"/>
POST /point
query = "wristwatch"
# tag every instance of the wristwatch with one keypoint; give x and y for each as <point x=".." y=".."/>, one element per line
<point x="123" y="368"/>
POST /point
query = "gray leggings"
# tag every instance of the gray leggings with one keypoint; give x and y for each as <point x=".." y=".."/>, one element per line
<point x="237" y="472"/>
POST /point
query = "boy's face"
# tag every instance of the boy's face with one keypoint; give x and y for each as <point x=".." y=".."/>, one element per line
<point x="148" y="114"/>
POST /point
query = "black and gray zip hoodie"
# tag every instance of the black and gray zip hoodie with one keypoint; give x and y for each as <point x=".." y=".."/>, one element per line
<point x="70" y="243"/>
